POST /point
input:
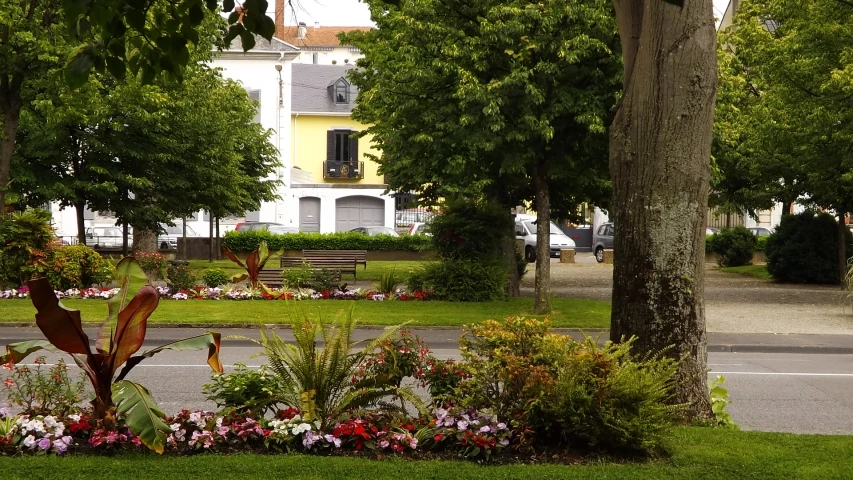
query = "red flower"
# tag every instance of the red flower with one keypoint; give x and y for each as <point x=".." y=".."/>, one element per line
<point x="438" y="437"/>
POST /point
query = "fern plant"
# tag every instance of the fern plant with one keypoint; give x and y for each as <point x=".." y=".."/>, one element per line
<point x="325" y="382"/>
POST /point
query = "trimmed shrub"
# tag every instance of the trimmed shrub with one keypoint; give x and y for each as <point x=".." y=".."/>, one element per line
<point x="804" y="249"/>
<point x="180" y="277"/>
<point x="761" y="244"/>
<point x="251" y="240"/>
<point x="75" y="266"/>
<point x="461" y="280"/>
<point x="734" y="247"/>
<point x="318" y="279"/>
<point x="214" y="277"/>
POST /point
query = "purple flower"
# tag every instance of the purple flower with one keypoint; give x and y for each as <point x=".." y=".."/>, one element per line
<point x="413" y="443"/>
<point x="384" y="444"/>
<point x="44" y="443"/>
<point x="23" y="289"/>
<point x="4" y="412"/>
<point x="501" y="426"/>
<point x="505" y="442"/>
<point x="223" y="431"/>
<point x="485" y="429"/>
<point x="462" y="425"/>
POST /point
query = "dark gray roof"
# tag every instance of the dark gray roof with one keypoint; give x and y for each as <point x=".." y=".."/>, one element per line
<point x="311" y="84"/>
<point x="262" y="45"/>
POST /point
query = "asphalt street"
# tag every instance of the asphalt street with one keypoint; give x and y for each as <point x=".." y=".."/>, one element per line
<point x="783" y="392"/>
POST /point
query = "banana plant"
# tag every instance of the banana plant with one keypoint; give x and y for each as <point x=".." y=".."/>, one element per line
<point x="254" y="263"/>
<point x="119" y="339"/>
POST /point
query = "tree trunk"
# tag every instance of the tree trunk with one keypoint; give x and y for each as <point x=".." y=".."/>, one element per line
<point x="842" y="251"/>
<point x="542" y="282"/>
<point x="210" y="246"/>
<point x="80" y="208"/>
<point x="786" y="208"/>
<point x="728" y="220"/>
<point x="660" y="150"/>
<point x="144" y="240"/>
<point x="125" y="233"/>
<point x="510" y="255"/>
<point x="11" y="114"/>
<point x="218" y="247"/>
<point x="184" y="237"/>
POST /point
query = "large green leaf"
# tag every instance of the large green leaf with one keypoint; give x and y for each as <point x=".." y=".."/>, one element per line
<point x="210" y="341"/>
<point x="131" y="279"/>
<point x="15" y="352"/>
<point x="141" y="414"/>
<point x="131" y="325"/>
<point x="60" y="325"/>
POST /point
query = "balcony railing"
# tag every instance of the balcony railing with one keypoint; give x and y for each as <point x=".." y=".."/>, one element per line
<point x="343" y="170"/>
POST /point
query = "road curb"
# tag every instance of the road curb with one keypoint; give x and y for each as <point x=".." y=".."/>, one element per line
<point x="803" y="349"/>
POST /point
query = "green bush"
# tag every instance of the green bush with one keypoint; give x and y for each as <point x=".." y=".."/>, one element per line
<point x="804" y="249"/>
<point x="761" y="244"/>
<point x="462" y="280"/>
<point x="76" y="266"/>
<point x="251" y="240"/>
<point x="244" y="390"/>
<point x="469" y="230"/>
<point x="568" y="392"/>
<point x="26" y="239"/>
<point x="318" y="279"/>
<point x="180" y="277"/>
<point x="214" y="277"/>
<point x="734" y="247"/>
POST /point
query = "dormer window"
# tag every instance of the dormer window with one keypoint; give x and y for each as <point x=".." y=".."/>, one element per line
<point x="340" y="91"/>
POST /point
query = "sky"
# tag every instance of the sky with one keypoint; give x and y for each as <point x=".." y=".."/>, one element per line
<point x="353" y="13"/>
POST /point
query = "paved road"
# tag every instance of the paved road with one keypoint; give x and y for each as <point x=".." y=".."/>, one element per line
<point x="788" y="392"/>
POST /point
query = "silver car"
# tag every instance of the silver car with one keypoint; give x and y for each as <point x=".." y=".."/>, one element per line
<point x="106" y="237"/>
<point x="602" y="239"/>
<point x="374" y="231"/>
<point x="525" y="229"/>
<point x="169" y="239"/>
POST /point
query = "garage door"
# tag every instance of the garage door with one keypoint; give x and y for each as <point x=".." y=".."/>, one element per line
<point x="352" y="212"/>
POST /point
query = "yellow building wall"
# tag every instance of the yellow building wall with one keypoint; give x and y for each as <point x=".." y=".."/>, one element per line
<point x="309" y="147"/>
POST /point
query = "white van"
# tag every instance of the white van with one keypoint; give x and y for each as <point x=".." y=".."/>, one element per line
<point x="525" y="229"/>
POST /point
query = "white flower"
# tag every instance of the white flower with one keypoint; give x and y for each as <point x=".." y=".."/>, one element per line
<point x="30" y="441"/>
<point x="485" y="429"/>
<point x="195" y="418"/>
<point x="49" y="421"/>
<point x="74" y="417"/>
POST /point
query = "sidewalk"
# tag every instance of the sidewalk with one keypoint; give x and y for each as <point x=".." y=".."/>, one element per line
<point x="446" y="338"/>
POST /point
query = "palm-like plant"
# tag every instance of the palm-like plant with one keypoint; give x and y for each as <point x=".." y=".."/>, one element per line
<point x="325" y="382"/>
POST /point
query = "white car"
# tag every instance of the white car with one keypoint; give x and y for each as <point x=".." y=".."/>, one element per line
<point x="106" y="237"/>
<point x="420" y="228"/>
<point x="525" y="229"/>
<point x="169" y="239"/>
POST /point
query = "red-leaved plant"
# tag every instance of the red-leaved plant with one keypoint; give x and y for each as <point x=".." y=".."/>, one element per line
<point x="119" y="338"/>
<point x="254" y="264"/>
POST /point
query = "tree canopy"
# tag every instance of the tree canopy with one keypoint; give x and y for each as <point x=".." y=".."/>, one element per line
<point x="507" y="99"/>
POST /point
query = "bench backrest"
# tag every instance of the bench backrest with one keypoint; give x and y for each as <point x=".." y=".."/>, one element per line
<point x="331" y="263"/>
<point x="360" y="256"/>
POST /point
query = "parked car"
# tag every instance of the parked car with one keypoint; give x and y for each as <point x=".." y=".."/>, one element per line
<point x="281" y="229"/>
<point x="169" y="239"/>
<point x="711" y="231"/>
<point x="374" y="231"/>
<point x="106" y="237"/>
<point x="250" y="226"/>
<point x="602" y="239"/>
<point x="420" y="228"/>
<point x="525" y="229"/>
<point x="761" y="231"/>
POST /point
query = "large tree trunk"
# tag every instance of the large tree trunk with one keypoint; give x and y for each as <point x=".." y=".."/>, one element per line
<point x="842" y="250"/>
<point x="144" y="240"/>
<point x="11" y="108"/>
<point x="660" y="150"/>
<point x="80" y="208"/>
<point x="509" y="250"/>
<point x="542" y="282"/>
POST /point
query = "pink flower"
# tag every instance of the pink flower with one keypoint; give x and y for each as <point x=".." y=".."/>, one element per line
<point x="223" y="431"/>
<point x="112" y="437"/>
<point x="44" y="443"/>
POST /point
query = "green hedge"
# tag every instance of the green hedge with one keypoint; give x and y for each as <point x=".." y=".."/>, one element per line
<point x="759" y="246"/>
<point x="248" y="241"/>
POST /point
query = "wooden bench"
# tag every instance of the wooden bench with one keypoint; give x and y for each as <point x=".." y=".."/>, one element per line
<point x="339" y="266"/>
<point x="359" y="256"/>
<point x="271" y="277"/>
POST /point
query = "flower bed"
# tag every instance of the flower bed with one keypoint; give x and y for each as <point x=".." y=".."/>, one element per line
<point x="468" y="434"/>
<point x="236" y="293"/>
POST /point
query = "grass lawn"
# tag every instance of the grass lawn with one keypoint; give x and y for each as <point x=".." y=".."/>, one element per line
<point x="697" y="454"/>
<point x="754" y="271"/>
<point x="566" y="312"/>
<point x="372" y="273"/>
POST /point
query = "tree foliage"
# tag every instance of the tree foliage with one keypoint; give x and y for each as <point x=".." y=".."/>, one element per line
<point x="507" y="100"/>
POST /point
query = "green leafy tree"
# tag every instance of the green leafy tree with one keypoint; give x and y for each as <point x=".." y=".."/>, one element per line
<point x="798" y="59"/>
<point x="509" y="100"/>
<point x="32" y="43"/>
